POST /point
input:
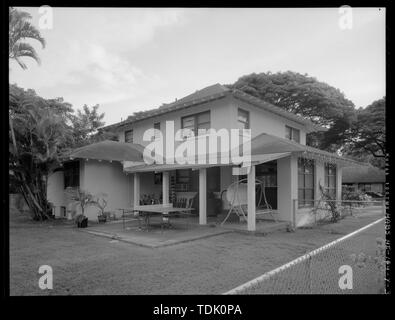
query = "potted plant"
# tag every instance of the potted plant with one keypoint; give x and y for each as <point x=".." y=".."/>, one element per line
<point x="101" y="203"/>
<point x="81" y="221"/>
<point x="84" y="199"/>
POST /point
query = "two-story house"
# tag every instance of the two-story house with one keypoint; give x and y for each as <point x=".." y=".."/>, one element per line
<point x="291" y="170"/>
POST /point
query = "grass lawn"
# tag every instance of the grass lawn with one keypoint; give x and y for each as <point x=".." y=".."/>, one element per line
<point x="86" y="264"/>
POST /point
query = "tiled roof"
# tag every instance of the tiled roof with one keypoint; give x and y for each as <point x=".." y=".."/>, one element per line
<point x="213" y="92"/>
<point x="277" y="110"/>
<point x="210" y="93"/>
<point x="198" y="94"/>
<point x="368" y="174"/>
<point x="266" y="143"/>
<point x="110" y="151"/>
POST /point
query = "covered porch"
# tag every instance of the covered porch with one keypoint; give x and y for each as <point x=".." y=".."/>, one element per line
<point x="208" y="188"/>
<point x="275" y="164"/>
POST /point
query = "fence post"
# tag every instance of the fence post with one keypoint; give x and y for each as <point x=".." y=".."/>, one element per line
<point x="383" y="207"/>
<point x="310" y="282"/>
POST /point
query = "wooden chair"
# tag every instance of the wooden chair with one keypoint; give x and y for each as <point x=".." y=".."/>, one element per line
<point x="185" y="200"/>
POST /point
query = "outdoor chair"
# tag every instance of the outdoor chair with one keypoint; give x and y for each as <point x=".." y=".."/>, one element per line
<point x="185" y="200"/>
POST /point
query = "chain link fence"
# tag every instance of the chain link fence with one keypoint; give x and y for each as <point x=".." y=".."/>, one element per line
<point x="353" y="264"/>
<point x="326" y="210"/>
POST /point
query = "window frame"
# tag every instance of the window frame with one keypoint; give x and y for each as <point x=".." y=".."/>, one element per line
<point x="157" y="127"/>
<point x="328" y="188"/>
<point x="292" y="131"/>
<point x="196" y="124"/>
<point x="247" y="113"/>
<point x="71" y="171"/>
<point x="302" y="202"/>
<point x="126" y="132"/>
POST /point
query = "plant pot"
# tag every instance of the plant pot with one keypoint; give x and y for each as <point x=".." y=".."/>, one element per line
<point x="102" y="219"/>
<point x="83" y="223"/>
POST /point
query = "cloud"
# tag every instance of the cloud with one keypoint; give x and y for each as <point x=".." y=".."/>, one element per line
<point x="88" y="58"/>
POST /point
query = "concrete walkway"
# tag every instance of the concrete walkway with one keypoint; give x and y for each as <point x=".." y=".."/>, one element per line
<point x="155" y="237"/>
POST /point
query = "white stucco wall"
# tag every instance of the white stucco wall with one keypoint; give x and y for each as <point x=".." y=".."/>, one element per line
<point x="223" y="113"/>
<point x="55" y="191"/>
<point x="219" y="117"/>
<point x="55" y="188"/>
<point x="262" y="121"/>
<point x="105" y="177"/>
<point x="287" y="187"/>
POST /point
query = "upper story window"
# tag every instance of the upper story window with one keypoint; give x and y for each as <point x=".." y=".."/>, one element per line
<point x="196" y="121"/>
<point x="243" y="119"/>
<point x="292" y="134"/>
<point x="305" y="182"/>
<point x="129" y="136"/>
<point x="71" y="174"/>
<point x="330" y="179"/>
<point x="157" y="127"/>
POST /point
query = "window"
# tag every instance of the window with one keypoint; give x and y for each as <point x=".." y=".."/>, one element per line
<point x="129" y="136"/>
<point x="71" y="173"/>
<point x="365" y="187"/>
<point x="330" y="180"/>
<point x="196" y="122"/>
<point x="183" y="176"/>
<point x="292" y="134"/>
<point x="243" y="119"/>
<point x="157" y="127"/>
<point x="214" y="179"/>
<point x="305" y="182"/>
<point x="158" y="177"/>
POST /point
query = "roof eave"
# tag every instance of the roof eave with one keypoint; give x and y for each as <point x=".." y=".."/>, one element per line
<point x="159" y="112"/>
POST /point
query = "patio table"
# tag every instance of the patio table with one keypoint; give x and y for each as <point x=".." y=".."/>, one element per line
<point x="165" y="211"/>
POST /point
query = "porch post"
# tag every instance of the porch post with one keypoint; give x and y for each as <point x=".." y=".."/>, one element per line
<point x="202" y="196"/>
<point x="251" y="199"/>
<point x="165" y="187"/>
<point x="136" y="189"/>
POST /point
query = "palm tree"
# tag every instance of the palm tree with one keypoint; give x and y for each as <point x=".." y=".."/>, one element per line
<point x="20" y="29"/>
<point x="41" y="135"/>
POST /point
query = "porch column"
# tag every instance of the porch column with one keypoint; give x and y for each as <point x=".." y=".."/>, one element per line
<point x="251" y="199"/>
<point x="136" y="189"/>
<point x="165" y="187"/>
<point x="202" y="196"/>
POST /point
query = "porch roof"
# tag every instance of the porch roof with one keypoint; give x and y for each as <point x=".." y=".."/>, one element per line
<point x="110" y="151"/>
<point x="168" y="167"/>
<point x="266" y="143"/>
<point x="264" y="148"/>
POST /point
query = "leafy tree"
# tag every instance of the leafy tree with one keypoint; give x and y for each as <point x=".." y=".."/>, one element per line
<point x="20" y="29"/>
<point x="86" y="124"/>
<point x="40" y="135"/>
<point x="307" y="97"/>
<point x="367" y="134"/>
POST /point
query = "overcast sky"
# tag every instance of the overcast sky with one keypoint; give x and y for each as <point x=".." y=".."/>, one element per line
<point x="130" y="60"/>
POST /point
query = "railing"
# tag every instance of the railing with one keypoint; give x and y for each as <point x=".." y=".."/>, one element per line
<point x="332" y="210"/>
